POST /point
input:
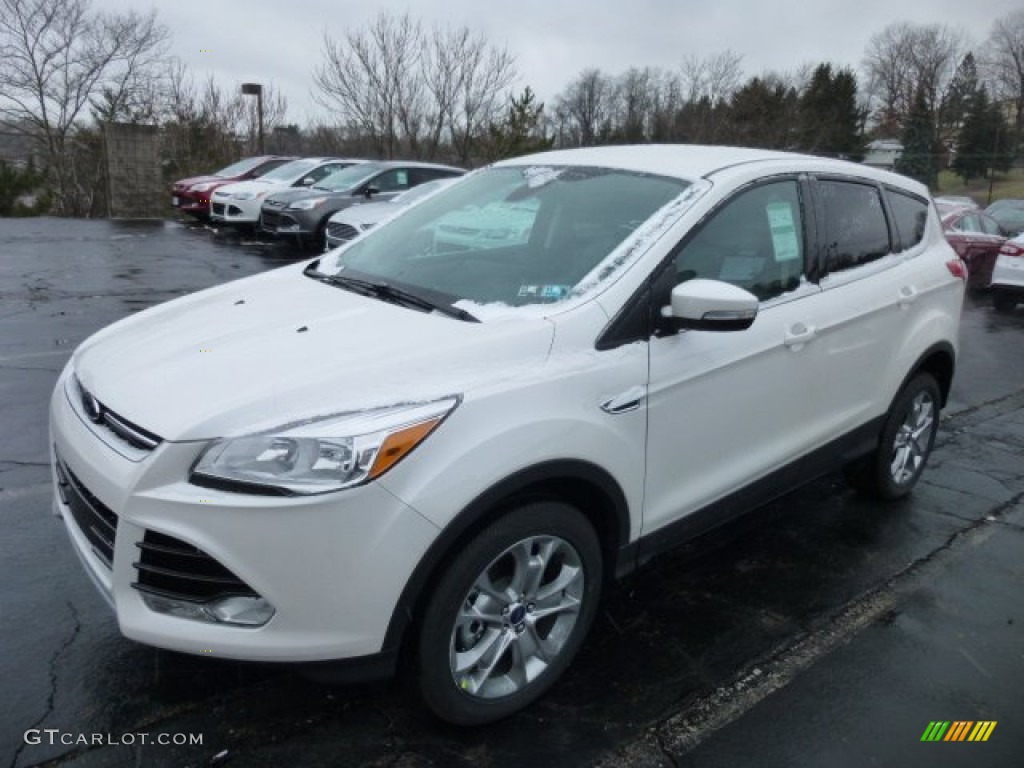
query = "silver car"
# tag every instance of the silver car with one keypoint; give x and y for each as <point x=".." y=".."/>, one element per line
<point x="351" y="222"/>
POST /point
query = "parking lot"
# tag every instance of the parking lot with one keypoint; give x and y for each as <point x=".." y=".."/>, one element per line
<point x="759" y="628"/>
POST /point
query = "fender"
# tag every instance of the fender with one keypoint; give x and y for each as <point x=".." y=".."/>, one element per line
<point x="614" y="524"/>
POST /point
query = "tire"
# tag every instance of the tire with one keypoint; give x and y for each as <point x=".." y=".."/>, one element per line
<point x="1003" y="302"/>
<point x="907" y="439"/>
<point x="484" y="649"/>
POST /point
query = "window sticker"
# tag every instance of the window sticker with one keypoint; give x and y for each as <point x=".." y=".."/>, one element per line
<point x="403" y="178"/>
<point x="545" y="291"/>
<point x="785" y="241"/>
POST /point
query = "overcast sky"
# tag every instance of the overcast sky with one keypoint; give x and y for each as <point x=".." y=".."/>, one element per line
<point x="280" y="43"/>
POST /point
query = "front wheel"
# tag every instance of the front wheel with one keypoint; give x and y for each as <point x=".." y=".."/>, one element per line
<point x="906" y="442"/>
<point x="509" y="613"/>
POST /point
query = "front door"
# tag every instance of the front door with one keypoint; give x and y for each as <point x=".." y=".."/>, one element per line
<point x="727" y="408"/>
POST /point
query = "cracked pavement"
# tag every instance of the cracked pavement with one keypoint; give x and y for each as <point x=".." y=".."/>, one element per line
<point x="748" y="646"/>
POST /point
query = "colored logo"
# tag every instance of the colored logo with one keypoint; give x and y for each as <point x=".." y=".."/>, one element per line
<point x="958" y="730"/>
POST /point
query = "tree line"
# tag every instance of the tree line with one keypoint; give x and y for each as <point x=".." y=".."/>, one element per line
<point x="398" y="88"/>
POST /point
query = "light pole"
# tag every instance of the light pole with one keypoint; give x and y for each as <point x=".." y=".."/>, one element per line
<point x="256" y="89"/>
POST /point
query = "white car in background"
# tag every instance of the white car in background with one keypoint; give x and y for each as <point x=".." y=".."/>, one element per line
<point x="239" y="204"/>
<point x="351" y="222"/>
<point x="1008" y="275"/>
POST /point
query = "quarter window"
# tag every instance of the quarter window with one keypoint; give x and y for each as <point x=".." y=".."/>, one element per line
<point x="855" y="224"/>
<point x="911" y="215"/>
<point x="755" y="242"/>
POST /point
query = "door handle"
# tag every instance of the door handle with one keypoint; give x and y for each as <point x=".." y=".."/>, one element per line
<point x="799" y="334"/>
<point x="908" y="295"/>
<point x="625" y="402"/>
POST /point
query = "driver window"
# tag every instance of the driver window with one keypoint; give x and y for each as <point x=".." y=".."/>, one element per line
<point x="755" y="242"/>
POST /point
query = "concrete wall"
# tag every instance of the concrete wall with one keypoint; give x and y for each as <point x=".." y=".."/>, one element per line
<point x="134" y="187"/>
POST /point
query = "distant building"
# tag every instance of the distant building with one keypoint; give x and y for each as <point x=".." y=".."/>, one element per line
<point x="883" y="153"/>
<point x="16" y="146"/>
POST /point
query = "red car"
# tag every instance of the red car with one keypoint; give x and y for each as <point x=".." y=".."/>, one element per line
<point x="977" y="238"/>
<point x="192" y="196"/>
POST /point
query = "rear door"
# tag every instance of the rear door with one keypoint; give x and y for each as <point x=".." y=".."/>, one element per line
<point x="871" y="295"/>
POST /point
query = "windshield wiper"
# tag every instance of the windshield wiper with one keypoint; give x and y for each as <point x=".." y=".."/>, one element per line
<point x="388" y="292"/>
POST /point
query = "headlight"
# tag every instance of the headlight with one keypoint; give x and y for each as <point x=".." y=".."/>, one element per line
<point x="320" y="456"/>
<point x="306" y="205"/>
<point x="201" y="187"/>
<point x="242" y="195"/>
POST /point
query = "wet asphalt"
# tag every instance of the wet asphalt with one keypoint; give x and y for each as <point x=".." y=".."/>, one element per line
<point x="823" y="629"/>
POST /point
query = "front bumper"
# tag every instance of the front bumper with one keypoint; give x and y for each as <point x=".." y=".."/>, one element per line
<point x="284" y="222"/>
<point x="186" y="202"/>
<point x="226" y="210"/>
<point x="332" y="566"/>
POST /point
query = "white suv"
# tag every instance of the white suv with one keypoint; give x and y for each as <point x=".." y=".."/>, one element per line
<point x="1008" y="275"/>
<point x="446" y="448"/>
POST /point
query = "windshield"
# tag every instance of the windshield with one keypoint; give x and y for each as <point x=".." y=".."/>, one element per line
<point x="514" y="235"/>
<point x="242" y="166"/>
<point x="291" y="170"/>
<point x="349" y="177"/>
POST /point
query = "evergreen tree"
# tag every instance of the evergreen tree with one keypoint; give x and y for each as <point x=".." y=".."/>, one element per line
<point x="984" y="139"/>
<point x="829" y="120"/>
<point x="957" y="100"/>
<point x="919" y="156"/>
<point x="519" y="132"/>
<point x="763" y="113"/>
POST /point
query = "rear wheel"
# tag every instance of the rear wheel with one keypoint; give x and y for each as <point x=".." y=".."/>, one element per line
<point x="906" y="442"/>
<point x="509" y="614"/>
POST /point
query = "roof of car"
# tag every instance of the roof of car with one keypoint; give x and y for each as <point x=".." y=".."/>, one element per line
<point x="416" y="164"/>
<point x="691" y="161"/>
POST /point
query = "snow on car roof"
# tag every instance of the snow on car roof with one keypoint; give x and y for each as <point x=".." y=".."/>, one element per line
<point x="692" y="161"/>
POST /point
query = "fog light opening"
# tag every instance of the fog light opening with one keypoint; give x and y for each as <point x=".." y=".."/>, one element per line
<point x="241" y="611"/>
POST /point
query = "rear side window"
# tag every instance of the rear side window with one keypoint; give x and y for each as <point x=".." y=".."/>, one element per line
<point x="857" y="232"/>
<point x="910" y="214"/>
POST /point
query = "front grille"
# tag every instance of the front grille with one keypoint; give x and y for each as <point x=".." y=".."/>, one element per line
<point x="94" y="519"/>
<point x="99" y="414"/>
<point x="218" y="208"/>
<point x="341" y="231"/>
<point x="271" y="220"/>
<point x="171" y="568"/>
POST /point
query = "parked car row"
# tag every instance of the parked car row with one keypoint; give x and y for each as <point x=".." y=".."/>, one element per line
<point x="990" y="242"/>
<point x="296" y="197"/>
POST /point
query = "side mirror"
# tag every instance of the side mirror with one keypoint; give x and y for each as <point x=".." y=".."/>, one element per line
<point x="711" y="305"/>
<point x="371" y="190"/>
<point x="308" y="181"/>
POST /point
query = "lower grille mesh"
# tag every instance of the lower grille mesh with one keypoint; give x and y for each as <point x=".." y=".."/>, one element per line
<point x="96" y="521"/>
<point x="172" y="568"/>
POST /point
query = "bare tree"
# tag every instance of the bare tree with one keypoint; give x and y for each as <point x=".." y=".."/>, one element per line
<point x="715" y="77"/>
<point x="584" y="109"/>
<point x="483" y="76"/>
<point x="904" y="59"/>
<point x="371" y="80"/>
<point x="56" y="57"/>
<point x="1005" y="61"/>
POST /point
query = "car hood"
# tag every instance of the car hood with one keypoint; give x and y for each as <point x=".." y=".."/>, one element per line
<point x="253" y="185"/>
<point x="286" y="196"/>
<point x="281" y="347"/>
<point x="198" y="180"/>
<point x="366" y="213"/>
